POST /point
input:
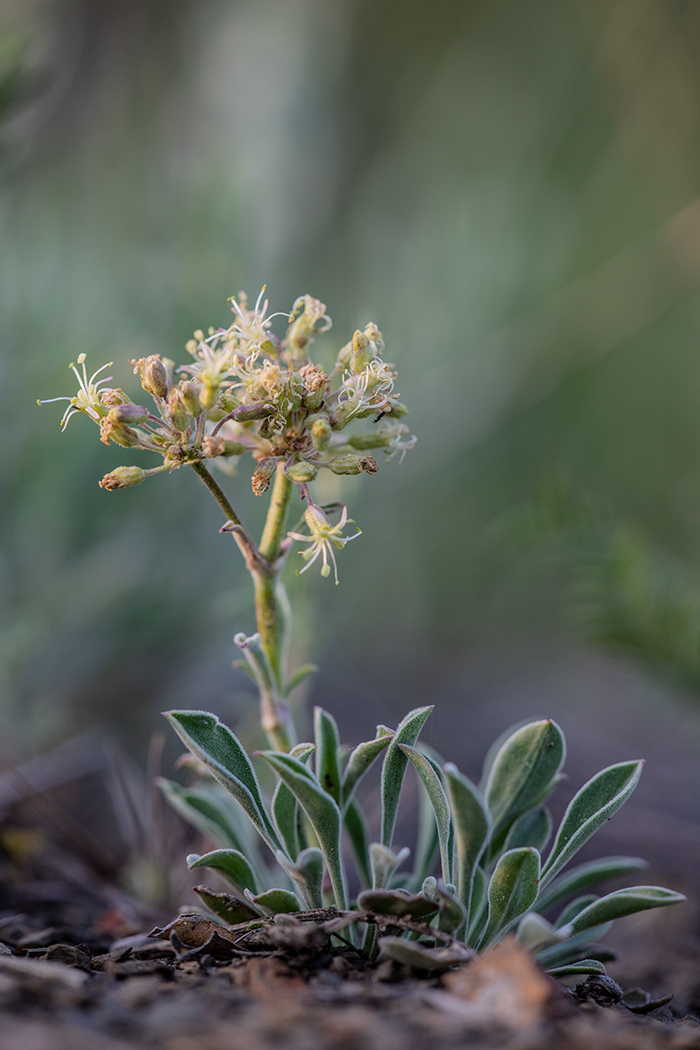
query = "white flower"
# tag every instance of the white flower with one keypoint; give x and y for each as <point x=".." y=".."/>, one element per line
<point x="323" y="538"/>
<point x="88" y="397"/>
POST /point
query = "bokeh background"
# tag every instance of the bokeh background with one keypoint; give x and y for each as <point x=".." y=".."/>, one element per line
<point x="512" y="192"/>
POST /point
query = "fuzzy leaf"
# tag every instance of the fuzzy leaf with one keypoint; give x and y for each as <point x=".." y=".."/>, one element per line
<point x="410" y="953"/>
<point x="394" y="769"/>
<point x="453" y="914"/>
<point x="585" y="875"/>
<point x="619" y="903"/>
<point x="306" y="874"/>
<point x="328" y="744"/>
<point x="584" y="966"/>
<point x="360" y="760"/>
<point x="574" y="907"/>
<point x="275" y="901"/>
<point x="298" y="677"/>
<point x="472" y="829"/>
<point x="358" y="834"/>
<point x="384" y="862"/>
<point x="438" y="798"/>
<point x="595" y="803"/>
<point x="573" y="949"/>
<point x="321" y="810"/>
<point x="535" y="933"/>
<point x="512" y="890"/>
<point x="215" y="745"/>
<point x="397" y="902"/>
<point x="227" y="907"/>
<point x="479" y="907"/>
<point x="235" y="868"/>
<point x="285" y="807"/>
<point x="523" y="771"/>
<point x="203" y="810"/>
<point x="533" y="828"/>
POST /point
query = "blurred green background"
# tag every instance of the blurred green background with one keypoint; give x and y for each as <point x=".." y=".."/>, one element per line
<point x="512" y="192"/>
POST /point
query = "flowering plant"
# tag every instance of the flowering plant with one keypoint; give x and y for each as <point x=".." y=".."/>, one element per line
<point x="248" y="391"/>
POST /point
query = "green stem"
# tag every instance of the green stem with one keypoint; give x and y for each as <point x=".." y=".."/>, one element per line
<point x="276" y="521"/>
<point x="217" y="493"/>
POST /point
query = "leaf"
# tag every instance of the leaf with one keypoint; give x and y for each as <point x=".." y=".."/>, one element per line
<point x="410" y="953"/>
<point x="227" y="907"/>
<point x="397" y="902"/>
<point x="438" y="798"/>
<point x="453" y="914"/>
<point x="535" y="933"/>
<point x="201" y="809"/>
<point x="384" y="862"/>
<point x="328" y="744"/>
<point x="298" y="677"/>
<point x="619" y="903"/>
<point x="574" y="907"/>
<point x="427" y="843"/>
<point x="306" y="874"/>
<point x="472" y="829"/>
<point x="360" y="760"/>
<point x="533" y="828"/>
<point x="512" y="890"/>
<point x="394" y="768"/>
<point x="275" y="902"/>
<point x="235" y="868"/>
<point x="215" y="745"/>
<point x="584" y="966"/>
<point x="573" y="949"/>
<point x="320" y="808"/>
<point x="523" y="771"/>
<point x="479" y="907"/>
<point x="496" y="747"/>
<point x="595" y="803"/>
<point x="285" y="807"/>
<point x="589" y="874"/>
<point x="356" y="829"/>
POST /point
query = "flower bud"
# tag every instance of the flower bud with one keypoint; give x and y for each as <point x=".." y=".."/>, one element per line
<point x="364" y="441"/>
<point x="133" y="414"/>
<point x="122" y="477"/>
<point x="209" y="394"/>
<point x="263" y="476"/>
<point x="258" y="410"/>
<point x="351" y="464"/>
<point x="213" y="446"/>
<point x="190" y="397"/>
<point x="233" y="448"/>
<point x="302" y="471"/>
<point x="154" y="378"/>
<point x="227" y="401"/>
<point x="361" y="353"/>
<point x="321" y="433"/>
<point x="119" y="433"/>
<point x="177" y="411"/>
<point x="116" y="396"/>
<point x="396" y="410"/>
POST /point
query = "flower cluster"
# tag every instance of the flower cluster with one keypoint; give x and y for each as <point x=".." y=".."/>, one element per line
<point x="247" y="390"/>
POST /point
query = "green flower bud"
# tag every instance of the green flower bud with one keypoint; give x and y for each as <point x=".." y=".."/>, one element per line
<point x="133" y="414"/>
<point x="119" y="433"/>
<point x="258" y="410"/>
<point x="177" y="410"/>
<point x="364" y="441"/>
<point x="351" y="464"/>
<point x="321" y="433"/>
<point x="190" y="397"/>
<point x="233" y="448"/>
<point x="361" y="353"/>
<point x="227" y="402"/>
<point x="122" y="477"/>
<point x="396" y="410"/>
<point x="302" y="471"/>
<point x="209" y="394"/>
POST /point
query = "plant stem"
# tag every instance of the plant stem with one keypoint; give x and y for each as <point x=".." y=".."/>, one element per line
<point x="276" y="520"/>
<point x="217" y="492"/>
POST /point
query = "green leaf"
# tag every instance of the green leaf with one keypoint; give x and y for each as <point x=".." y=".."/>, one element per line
<point x="574" y="907"/>
<point x="533" y="828"/>
<point x="472" y="829"/>
<point x="398" y="902"/>
<point x="427" y="843"/>
<point x="384" y="862"/>
<point x="394" y="769"/>
<point x="215" y="745"/>
<point x="619" y="903"/>
<point x="479" y="907"/>
<point x="523" y="771"/>
<point x="306" y="874"/>
<point x="410" y="953"/>
<point x="573" y="949"/>
<point x="204" y="811"/>
<point x="585" y="875"/>
<point x="535" y="933"/>
<point x="320" y="808"/>
<point x="496" y="747"/>
<point x="438" y="798"/>
<point x="285" y="807"/>
<point x="512" y="890"/>
<point x="584" y="966"/>
<point x="235" y="868"/>
<point x="453" y="914"/>
<point x="356" y="828"/>
<point x="298" y="677"/>
<point x="227" y="907"/>
<point x="328" y="744"/>
<point x="595" y="803"/>
<point x="275" y="901"/>
<point x="360" y="760"/>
